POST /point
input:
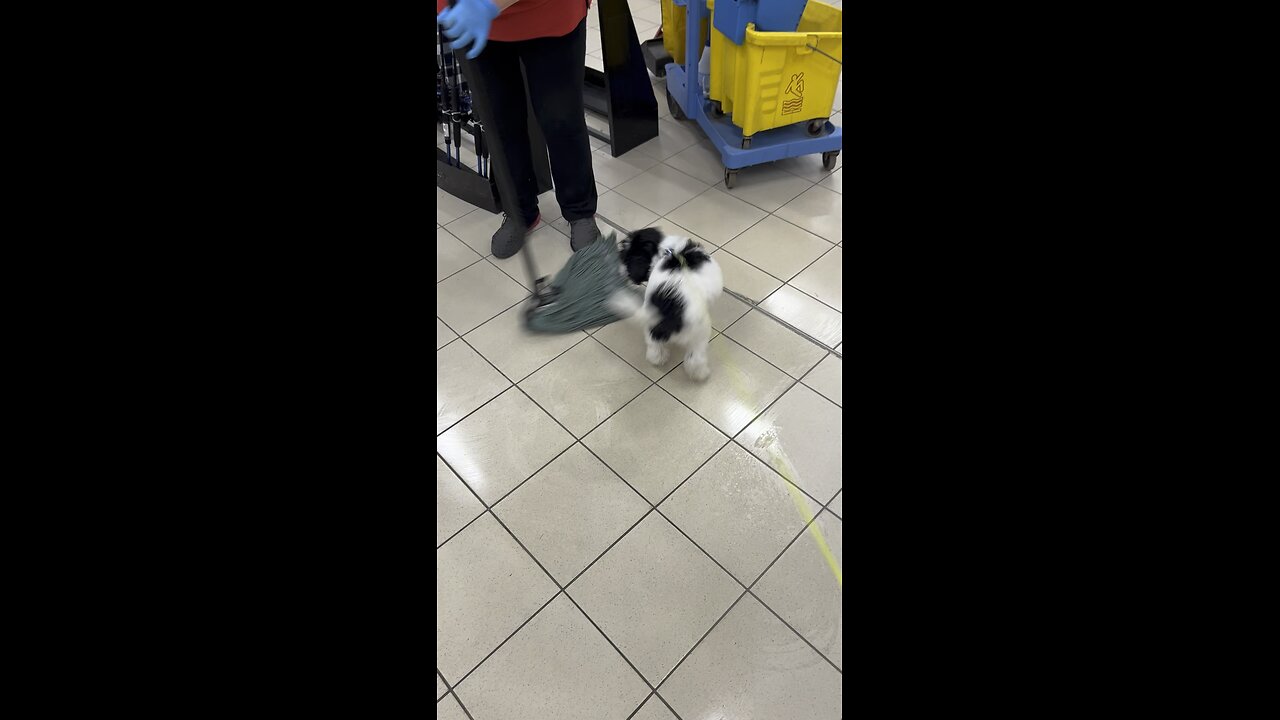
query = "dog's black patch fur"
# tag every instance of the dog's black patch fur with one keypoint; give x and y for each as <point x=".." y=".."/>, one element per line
<point x="639" y="252"/>
<point x="693" y="258"/>
<point x="670" y="306"/>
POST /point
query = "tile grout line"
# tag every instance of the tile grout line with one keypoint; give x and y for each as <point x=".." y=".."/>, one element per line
<point x="821" y="255"/>
<point x="452" y="693"/>
<point x="455" y="272"/>
<point x="654" y="508"/>
<point x="731" y="439"/>
<point x="787" y="283"/>
<point x="563" y="591"/>
<point x="770" y="565"/>
<point x="495" y="367"/>
<point x="734" y="439"/>
<point x="794" y="382"/>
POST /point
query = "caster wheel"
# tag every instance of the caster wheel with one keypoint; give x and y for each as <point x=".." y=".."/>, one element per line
<point x="730" y="178"/>
<point x="829" y="159"/>
<point x="674" y="107"/>
<point x="816" y="127"/>
<point x="716" y="109"/>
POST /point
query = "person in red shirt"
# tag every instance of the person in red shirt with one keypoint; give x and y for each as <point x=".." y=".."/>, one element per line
<point x="547" y="38"/>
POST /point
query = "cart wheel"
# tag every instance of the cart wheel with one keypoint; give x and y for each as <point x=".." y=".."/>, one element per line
<point x="717" y="109"/>
<point x="829" y="159"/>
<point x="817" y="126"/>
<point x="674" y="106"/>
<point x="730" y="178"/>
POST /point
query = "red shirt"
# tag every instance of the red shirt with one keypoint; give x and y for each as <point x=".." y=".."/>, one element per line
<point x="529" y="19"/>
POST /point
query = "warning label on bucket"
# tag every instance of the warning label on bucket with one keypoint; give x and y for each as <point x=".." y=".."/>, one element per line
<point x="796" y="88"/>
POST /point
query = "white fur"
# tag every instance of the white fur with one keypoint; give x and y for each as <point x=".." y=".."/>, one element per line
<point x="698" y="289"/>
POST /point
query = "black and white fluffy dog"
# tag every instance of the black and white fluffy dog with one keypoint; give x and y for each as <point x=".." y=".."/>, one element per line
<point x="683" y="281"/>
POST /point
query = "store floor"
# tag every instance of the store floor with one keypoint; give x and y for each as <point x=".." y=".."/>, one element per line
<point x="614" y="540"/>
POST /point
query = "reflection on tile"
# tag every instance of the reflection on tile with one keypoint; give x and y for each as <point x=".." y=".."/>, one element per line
<point x="808" y="167"/>
<point x="455" y="505"/>
<point x="627" y="340"/>
<point x="802" y="436"/>
<point x="569" y="512"/>
<point x="751" y="665"/>
<point x="501" y="444"/>
<point x="673" y="137"/>
<point x="739" y="511"/>
<point x="557" y="666"/>
<point x="824" y="279"/>
<point x="726" y="310"/>
<point x="655" y="425"/>
<point x="672" y="228"/>
<point x="655" y="594"/>
<point x="485" y="587"/>
<point x="741" y="386"/>
<point x="834" y="181"/>
<point x="651" y="13"/>
<point x="817" y="210"/>
<point x="717" y="216"/>
<point x="662" y="189"/>
<point x="506" y="343"/>
<point x="476" y="229"/>
<point x="624" y="212"/>
<point x="448" y="709"/>
<point x="451" y="255"/>
<point x="802" y="587"/>
<point x="654" y="710"/>
<point x="802" y="311"/>
<point x="778" y="247"/>
<point x="472" y="296"/>
<point x="699" y="160"/>
<point x="766" y="186"/>
<point x="743" y="278"/>
<point x="450" y="208"/>
<point x="443" y="334"/>
<point x="775" y="343"/>
<point x="826" y="379"/>
<point x="464" y="382"/>
<point x="549" y="207"/>
<point x="584" y="386"/>
<point x="613" y="171"/>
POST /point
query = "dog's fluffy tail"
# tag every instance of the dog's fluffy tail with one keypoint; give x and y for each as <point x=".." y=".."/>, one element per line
<point x="626" y="303"/>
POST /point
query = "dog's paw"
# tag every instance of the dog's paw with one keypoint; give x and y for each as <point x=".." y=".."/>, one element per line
<point x="697" y="371"/>
<point x="656" y="355"/>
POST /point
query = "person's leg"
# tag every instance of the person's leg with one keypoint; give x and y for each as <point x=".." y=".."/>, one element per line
<point x="504" y="89"/>
<point x="554" y="67"/>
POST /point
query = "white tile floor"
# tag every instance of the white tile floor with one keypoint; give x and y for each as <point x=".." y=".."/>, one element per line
<point x="614" y="540"/>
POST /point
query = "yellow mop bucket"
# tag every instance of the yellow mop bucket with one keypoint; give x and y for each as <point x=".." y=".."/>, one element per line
<point x="673" y="31"/>
<point x="779" y="78"/>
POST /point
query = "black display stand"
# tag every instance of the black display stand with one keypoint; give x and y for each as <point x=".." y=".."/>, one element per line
<point x="622" y="92"/>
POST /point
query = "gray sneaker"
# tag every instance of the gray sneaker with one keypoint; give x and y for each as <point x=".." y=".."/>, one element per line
<point x="508" y="240"/>
<point x="582" y="233"/>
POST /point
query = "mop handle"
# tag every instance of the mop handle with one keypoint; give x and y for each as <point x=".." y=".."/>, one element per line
<point x="499" y="170"/>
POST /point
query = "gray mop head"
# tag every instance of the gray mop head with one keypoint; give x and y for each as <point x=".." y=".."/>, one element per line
<point x="589" y="291"/>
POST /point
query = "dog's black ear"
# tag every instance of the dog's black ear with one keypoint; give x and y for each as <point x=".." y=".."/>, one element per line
<point x="637" y="254"/>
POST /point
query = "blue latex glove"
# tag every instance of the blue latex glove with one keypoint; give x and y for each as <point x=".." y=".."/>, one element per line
<point x="468" y="22"/>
